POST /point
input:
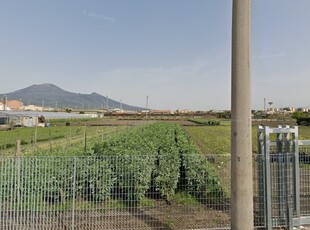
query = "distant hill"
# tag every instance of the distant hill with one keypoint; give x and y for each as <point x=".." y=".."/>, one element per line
<point x="52" y="96"/>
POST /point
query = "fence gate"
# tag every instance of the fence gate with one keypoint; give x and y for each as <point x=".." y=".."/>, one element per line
<point x="281" y="169"/>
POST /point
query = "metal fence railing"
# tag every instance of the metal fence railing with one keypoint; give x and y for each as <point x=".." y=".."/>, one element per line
<point x="304" y="180"/>
<point x="283" y="178"/>
<point x="113" y="193"/>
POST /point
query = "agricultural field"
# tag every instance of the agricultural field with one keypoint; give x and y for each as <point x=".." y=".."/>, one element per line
<point x="205" y="122"/>
<point x="216" y="139"/>
<point x="155" y="154"/>
<point x="161" y="150"/>
<point x="210" y="138"/>
<point x="54" y="136"/>
<point x="155" y="166"/>
<point x="176" y="175"/>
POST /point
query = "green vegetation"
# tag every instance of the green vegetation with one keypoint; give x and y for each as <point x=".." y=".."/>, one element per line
<point x="216" y="140"/>
<point x="132" y="166"/>
<point x="205" y="122"/>
<point x="302" y="118"/>
<point x="63" y="121"/>
<point x="304" y="132"/>
<point x="305" y="121"/>
<point x="211" y="139"/>
<point x="35" y="135"/>
<point x="153" y="157"/>
<point x="298" y="115"/>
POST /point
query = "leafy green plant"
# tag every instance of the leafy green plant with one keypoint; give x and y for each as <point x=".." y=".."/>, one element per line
<point x="205" y="122"/>
<point x="125" y="167"/>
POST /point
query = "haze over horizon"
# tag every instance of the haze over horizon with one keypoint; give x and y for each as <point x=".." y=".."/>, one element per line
<point x="177" y="52"/>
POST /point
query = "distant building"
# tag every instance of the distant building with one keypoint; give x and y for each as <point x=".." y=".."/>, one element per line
<point x="15" y="104"/>
<point x="12" y="104"/>
<point x="3" y="107"/>
<point x="302" y="109"/>
<point x="184" y="111"/>
<point x="15" y="119"/>
<point x="161" y="112"/>
<point x="287" y="110"/>
<point x="32" y="108"/>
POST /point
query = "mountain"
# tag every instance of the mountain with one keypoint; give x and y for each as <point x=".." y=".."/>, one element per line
<point x="51" y="95"/>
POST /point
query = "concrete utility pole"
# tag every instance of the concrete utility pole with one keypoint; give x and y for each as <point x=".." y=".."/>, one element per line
<point x="5" y="103"/>
<point x="241" y="124"/>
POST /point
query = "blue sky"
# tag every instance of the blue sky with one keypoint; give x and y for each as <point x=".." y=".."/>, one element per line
<point x="178" y="52"/>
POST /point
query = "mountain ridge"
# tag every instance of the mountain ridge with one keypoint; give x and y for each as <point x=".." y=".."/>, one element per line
<point x="50" y="95"/>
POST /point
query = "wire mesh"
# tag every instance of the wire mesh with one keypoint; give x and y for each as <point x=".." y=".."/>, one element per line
<point x="258" y="190"/>
<point x="279" y="190"/>
<point x="304" y="177"/>
<point x="113" y="192"/>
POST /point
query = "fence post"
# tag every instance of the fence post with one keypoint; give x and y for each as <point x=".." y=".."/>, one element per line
<point x="17" y="148"/>
<point x="73" y="193"/>
<point x="268" y="194"/>
<point x="261" y="175"/>
<point x="280" y="178"/>
<point x="50" y="140"/>
<point x="17" y="172"/>
<point x="5" y="143"/>
<point x="288" y="179"/>
<point x="296" y="174"/>
<point x="35" y="136"/>
<point x="85" y="139"/>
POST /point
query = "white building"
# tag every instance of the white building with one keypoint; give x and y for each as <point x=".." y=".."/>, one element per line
<point x="2" y="107"/>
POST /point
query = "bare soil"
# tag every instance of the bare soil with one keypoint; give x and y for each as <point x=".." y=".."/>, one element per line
<point x="161" y="216"/>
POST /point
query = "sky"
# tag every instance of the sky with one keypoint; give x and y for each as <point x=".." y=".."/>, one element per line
<point x="176" y="52"/>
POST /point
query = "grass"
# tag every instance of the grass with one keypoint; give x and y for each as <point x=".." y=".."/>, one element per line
<point x="304" y="133"/>
<point x="184" y="199"/>
<point x="70" y="120"/>
<point x="55" y="135"/>
<point x="211" y="139"/>
<point x="216" y="139"/>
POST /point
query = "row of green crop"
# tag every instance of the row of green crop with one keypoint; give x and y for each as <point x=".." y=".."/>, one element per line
<point x="54" y="179"/>
<point x="159" y="158"/>
<point x="200" y="178"/>
<point x="155" y="160"/>
<point x="205" y="122"/>
<point x="146" y="155"/>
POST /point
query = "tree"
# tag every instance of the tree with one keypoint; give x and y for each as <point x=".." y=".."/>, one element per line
<point x="298" y="115"/>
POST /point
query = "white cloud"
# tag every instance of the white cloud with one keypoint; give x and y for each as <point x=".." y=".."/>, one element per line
<point x="99" y="16"/>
